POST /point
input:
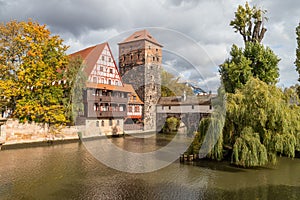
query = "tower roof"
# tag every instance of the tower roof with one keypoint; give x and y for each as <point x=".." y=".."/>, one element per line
<point x="141" y="35"/>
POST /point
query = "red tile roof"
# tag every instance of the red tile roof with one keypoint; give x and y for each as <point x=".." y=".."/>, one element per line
<point x="125" y="88"/>
<point x="190" y="100"/>
<point x="133" y="93"/>
<point x="141" y="35"/>
<point x="90" y="56"/>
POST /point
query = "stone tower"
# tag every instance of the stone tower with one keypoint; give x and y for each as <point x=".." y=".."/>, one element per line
<point x="140" y="57"/>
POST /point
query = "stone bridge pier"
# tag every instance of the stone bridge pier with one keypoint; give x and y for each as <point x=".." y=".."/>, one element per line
<point x="190" y="110"/>
<point x="190" y="120"/>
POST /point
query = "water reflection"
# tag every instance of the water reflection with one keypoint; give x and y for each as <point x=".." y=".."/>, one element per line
<point x="70" y="172"/>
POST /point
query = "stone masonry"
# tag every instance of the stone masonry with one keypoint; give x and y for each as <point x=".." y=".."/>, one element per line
<point x="140" y="59"/>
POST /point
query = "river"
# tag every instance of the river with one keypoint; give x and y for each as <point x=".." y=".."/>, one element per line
<point x="69" y="171"/>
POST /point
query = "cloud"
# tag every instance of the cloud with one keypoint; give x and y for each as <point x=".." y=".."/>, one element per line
<point x="204" y="22"/>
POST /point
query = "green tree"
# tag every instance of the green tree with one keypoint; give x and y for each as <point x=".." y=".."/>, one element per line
<point x="171" y="125"/>
<point x="248" y="151"/>
<point x="249" y="23"/>
<point x="297" y="61"/>
<point x="170" y="85"/>
<point x="273" y="120"/>
<point x="31" y="61"/>
<point x="255" y="59"/>
<point x="75" y="78"/>
<point x="261" y="119"/>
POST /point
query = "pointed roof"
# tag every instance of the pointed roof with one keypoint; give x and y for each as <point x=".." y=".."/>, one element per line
<point x="140" y="35"/>
<point x="133" y="94"/>
<point x="90" y="56"/>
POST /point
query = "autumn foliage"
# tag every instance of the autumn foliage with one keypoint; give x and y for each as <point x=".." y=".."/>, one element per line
<point x="31" y="62"/>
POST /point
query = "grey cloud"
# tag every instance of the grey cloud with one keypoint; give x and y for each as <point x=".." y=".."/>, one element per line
<point x="206" y="22"/>
<point x="76" y="17"/>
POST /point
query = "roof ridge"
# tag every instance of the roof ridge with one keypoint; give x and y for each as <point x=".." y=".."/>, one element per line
<point x="140" y="35"/>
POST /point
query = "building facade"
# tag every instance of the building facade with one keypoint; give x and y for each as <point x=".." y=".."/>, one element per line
<point x="105" y="97"/>
<point x="140" y="58"/>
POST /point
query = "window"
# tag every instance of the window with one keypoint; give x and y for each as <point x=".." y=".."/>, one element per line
<point x="102" y="123"/>
<point x="95" y="79"/>
<point x="109" y="82"/>
<point x="111" y="71"/>
<point x="97" y="123"/>
<point x="97" y="92"/>
<point x="117" y="82"/>
<point x="102" y="57"/>
<point x="149" y="47"/>
<point x="101" y="69"/>
<point x="118" y="122"/>
<point x="131" y="57"/>
<point x="96" y="107"/>
<point x="162" y="107"/>
<point x="156" y="50"/>
<point x="157" y="59"/>
<point x="137" y="109"/>
<point x="109" y="59"/>
<point x="129" y="108"/>
<point x="150" y="97"/>
<point x="153" y="58"/>
<point x="169" y="107"/>
<point x="134" y="97"/>
<point x="110" y="122"/>
<point x="193" y="107"/>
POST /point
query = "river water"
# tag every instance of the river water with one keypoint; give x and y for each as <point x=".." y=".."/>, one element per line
<point x="69" y="171"/>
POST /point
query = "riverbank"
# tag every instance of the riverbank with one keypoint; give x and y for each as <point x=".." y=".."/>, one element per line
<point x="38" y="142"/>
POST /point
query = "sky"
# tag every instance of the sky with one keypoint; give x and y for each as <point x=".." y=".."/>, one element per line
<point x="195" y="34"/>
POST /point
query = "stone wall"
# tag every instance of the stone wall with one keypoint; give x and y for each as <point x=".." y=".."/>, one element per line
<point x="15" y="131"/>
<point x="100" y="127"/>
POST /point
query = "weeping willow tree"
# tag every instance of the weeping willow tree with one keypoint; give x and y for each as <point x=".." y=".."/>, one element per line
<point x="248" y="151"/>
<point x="262" y="121"/>
<point x="208" y="140"/>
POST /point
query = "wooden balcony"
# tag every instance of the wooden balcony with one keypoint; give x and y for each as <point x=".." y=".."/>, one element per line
<point x="107" y="99"/>
<point x="108" y="114"/>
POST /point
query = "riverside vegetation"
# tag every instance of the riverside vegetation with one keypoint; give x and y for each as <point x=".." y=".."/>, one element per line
<point x="262" y="121"/>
